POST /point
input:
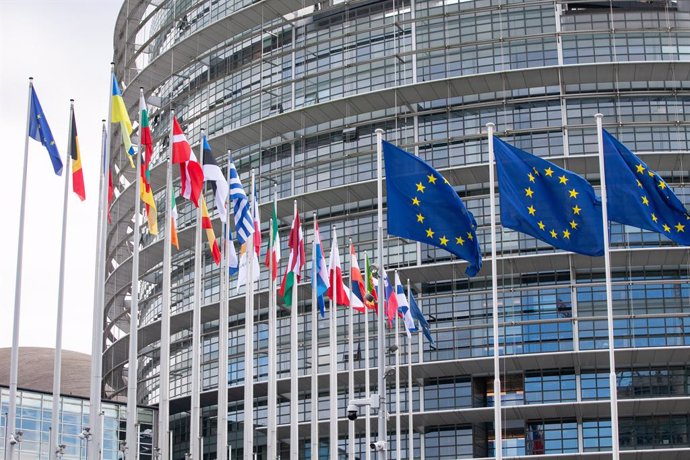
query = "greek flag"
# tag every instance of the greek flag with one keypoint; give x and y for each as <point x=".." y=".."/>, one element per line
<point x="244" y="224"/>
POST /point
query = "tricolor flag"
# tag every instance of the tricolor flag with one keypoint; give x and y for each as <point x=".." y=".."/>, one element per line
<point x="335" y="275"/>
<point x="244" y="224"/>
<point x="358" y="289"/>
<point x="273" y="254"/>
<point x="173" y="221"/>
<point x="40" y="131"/>
<point x="404" y="306"/>
<point x="319" y="274"/>
<point x="191" y="174"/>
<point x="119" y="114"/>
<point x="207" y="225"/>
<point x="75" y="154"/>
<point x="370" y="284"/>
<point x="391" y="299"/>
<point x="145" y="191"/>
<point x="214" y="175"/>
<point x="293" y="271"/>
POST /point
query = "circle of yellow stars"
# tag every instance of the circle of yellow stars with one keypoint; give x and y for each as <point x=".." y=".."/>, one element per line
<point x="640" y="169"/>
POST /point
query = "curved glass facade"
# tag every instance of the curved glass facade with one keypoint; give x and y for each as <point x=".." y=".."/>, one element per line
<point x="297" y="96"/>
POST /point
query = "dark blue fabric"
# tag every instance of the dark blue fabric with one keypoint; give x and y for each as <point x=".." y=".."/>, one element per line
<point x="418" y="316"/>
<point x="39" y="130"/>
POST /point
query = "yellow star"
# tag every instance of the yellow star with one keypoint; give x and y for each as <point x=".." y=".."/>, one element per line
<point x="444" y="241"/>
<point x="432" y="178"/>
<point x="415" y="201"/>
<point x="420" y="218"/>
<point x="52" y="142"/>
<point x="536" y="171"/>
<point x="549" y="172"/>
<point x="554" y="234"/>
<point x="446" y="181"/>
<point x="459" y="240"/>
<point x="469" y="236"/>
<point x="680" y="227"/>
<point x="645" y="201"/>
<point x="38" y="116"/>
<point x="566" y="234"/>
<point x="576" y="210"/>
<point x="429" y="233"/>
<point x="562" y="180"/>
<point x="666" y="228"/>
<point x="541" y="225"/>
<point x="662" y="184"/>
<point x="531" y="177"/>
<point x="420" y="187"/>
<point x="639" y="184"/>
<point x="654" y="217"/>
<point x="573" y="224"/>
<point x="651" y="173"/>
<point x="529" y="192"/>
<point x="531" y="210"/>
<point x="573" y="193"/>
<point x="640" y="169"/>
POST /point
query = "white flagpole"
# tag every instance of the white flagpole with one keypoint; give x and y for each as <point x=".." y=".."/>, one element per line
<point x="294" y="350"/>
<point x="57" y="363"/>
<point x="132" y="440"/>
<point x="271" y="442"/>
<point x="498" y="429"/>
<point x="613" y="384"/>
<point x="222" y="415"/>
<point x="164" y="402"/>
<point x="195" y="413"/>
<point x="351" y="361"/>
<point x="398" y="431"/>
<point x="381" y="331"/>
<point x="410" y="421"/>
<point x="314" y="356"/>
<point x="367" y="377"/>
<point x="249" y="345"/>
<point x="333" y="365"/>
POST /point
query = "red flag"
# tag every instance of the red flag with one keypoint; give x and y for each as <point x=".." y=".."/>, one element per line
<point x="181" y="150"/>
<point x="335" y="275"/>
<point x="207" y="225"/>
<point x="191" y="173"/>
<point x="293" y="271"/>
<point x="111" y="193"/>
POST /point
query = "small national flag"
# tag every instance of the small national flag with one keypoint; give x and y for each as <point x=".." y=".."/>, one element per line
<point x="40" y="131"/>
<point x="233" y="263"/>
<point x="111" y="193"/>
<point x="404" y="306"/>
<point x="550" y="203"/>
<point x="145" y="191"/>
<point x="244" y="224"/>
<point x="191" y="173"/>
<point x="371" y="297"/>
<point x="639" y="197"/>
<point x="293" y="271"/>
<point x="207" y="225"/>
<point x="75" y="154"/>
<point x="273" y="254"/>
<point x="423" y="206"/>
<point x="391" y="299"/>
<point x="257" y="227"/>
<point x="119" y="114"/>
<point x="319" y="275"/>
<point x="357" y="299"/>
<point x="173" y="222"/>
<point x="419" y="317"/>
<point x="335" y="275"/>
<point x="213" y="174"/>
<point x="242" y="266"/>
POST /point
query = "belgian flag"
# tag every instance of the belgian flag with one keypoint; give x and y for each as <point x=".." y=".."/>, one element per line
<point x="77" y="175"/>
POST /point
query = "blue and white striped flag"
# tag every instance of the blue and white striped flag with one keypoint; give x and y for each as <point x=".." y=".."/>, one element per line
<point x="244" y="225"/>
<point x="404" y="306"/>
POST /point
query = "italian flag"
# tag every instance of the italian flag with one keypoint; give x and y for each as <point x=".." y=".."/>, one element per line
<point x="295" y="261"/>
<point x="273" y="255"/>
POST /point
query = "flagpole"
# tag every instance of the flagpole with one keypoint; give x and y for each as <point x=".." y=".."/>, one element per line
<point x="131" y="439"/>
<point x="314" y="356"/>
<point x="164" y="403"/>
<point x="613" y="384"/>
<point x="367" y="376"/>
<point x="57" y="364"/>
<point x="381" y="331"/>
<point x="294" y="406"/>
<point x="398" y="431"/>
<point x="498" y="429"/>
<point x="410" y="424"/>
<point x="271" y="442"/>
<point x="249" y="347"/>
<point x="222" y="416"/>
<point x="351" y="361"/>
<point x="195" y="432"/>
<point x="333" y="365"/>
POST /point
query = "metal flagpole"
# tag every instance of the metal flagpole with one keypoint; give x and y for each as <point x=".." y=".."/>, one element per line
<point x="195" y="413"/>
<point x="294" y="350"/>
<point x="222" y="419"/>
<point x="498" y="429"/>
<point x="271" y="442"/>
<point x="314" y="355"/>
<point x="333" y="365"/>
<point x="164" y="405"/>
<point x="57" y="363"/>
<point x="367" y="376"/>
<point x="131" y="439"/>
<point x="410" y="421"/>
<point x="351" y="367"/>
<point x="249" y="346"/>
<point x="381" y="330"/>
<point x="613" y="384"/>
<point x="398" y="431"/>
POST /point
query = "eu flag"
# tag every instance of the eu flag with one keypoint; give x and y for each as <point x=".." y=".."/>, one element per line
<point x="423" y="206"/>
<point x="639" y="197"/>
<point x="550" y="203"/>
<point x="39" y="130"/>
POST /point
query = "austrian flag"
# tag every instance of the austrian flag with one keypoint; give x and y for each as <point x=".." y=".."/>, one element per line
<point x="191" y="174"/>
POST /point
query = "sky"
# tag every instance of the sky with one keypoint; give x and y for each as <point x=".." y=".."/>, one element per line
<point x="67" y="47"/>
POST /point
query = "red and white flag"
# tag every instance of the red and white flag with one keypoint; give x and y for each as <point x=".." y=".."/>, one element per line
<point x="191" y="173"/>
<point x="335" y="275"/>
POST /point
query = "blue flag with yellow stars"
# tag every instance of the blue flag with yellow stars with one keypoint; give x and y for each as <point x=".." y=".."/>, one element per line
<point x="39" y="130"/>
<point x="639" y="197"/>
<point x="423" y="206"/>
<point x="550" y="203"/>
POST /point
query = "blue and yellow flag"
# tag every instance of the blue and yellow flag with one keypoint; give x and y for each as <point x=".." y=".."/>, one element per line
<point x="118" y="114"/>
<point x="639" y="197"/>
<point x="39" y="130"/>
<point x="550" y="203"/>
<point x="423" y="206"/>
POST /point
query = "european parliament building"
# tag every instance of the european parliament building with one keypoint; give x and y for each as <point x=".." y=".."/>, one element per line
<point x="296" y="89"/>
